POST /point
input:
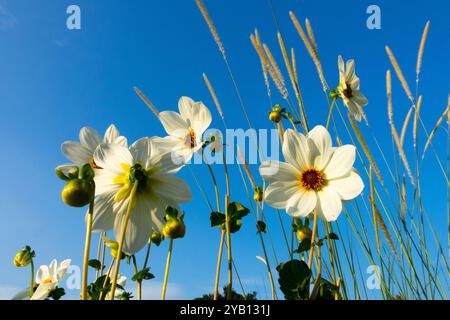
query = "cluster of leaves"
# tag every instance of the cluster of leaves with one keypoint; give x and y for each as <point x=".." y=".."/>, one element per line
<point x="295" y="282"/>
<point x="142" y="275"/>
<point x="236" y="212"/>
<point x="98" y="289"/>
<point x="234" y="296"/>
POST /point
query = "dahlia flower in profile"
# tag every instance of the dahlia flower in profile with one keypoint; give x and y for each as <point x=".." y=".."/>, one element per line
<point x="48" y="278"/>
<point x="145" y="170"/>
<point x="187" y="127"/>
<point x="348" y="89"/>
<point x="315" y="176"/>
<point x="81" y="153"/>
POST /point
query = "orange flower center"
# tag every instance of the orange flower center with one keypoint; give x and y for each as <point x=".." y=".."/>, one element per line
<point x="312" y="180"/>
<point x="348" y="93"/>
<point x="48" y="280"/>
<point x="190" y="139"/>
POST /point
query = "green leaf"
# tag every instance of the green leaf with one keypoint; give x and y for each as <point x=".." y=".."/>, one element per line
<point x="237" y="211"/>
<point x="327" y="291"/>
<point x="94" y="263"/>
<point x="261" y="226"/>
<point x="217" y="219"/>
<point x="57" y="293"/>
<point x="144" y="274"/>
<point x="294" y="278"/>
<point x="305" y="245"/>
<point x="333" y="236"/>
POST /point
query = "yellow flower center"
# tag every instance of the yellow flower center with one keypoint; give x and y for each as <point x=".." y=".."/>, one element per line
<point x="46" y="281"/>
<point x="312" y="179"/>
<point x="190" y="139"/>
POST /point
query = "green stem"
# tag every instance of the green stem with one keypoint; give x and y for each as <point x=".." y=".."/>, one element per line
<point x="87" y="248"/>
<point x="330" y="112"/>
<point x="122" y="238"/>
<point x="219" y="262"/>
<point x="166" y="274"/>
<point x="32" y="278"/>
<point x="139" y="282"/>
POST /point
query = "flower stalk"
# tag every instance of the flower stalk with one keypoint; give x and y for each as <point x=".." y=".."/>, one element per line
<point x="122" y="238"/>
<point x="166" y="273"/>
<point x="87" y="248"/>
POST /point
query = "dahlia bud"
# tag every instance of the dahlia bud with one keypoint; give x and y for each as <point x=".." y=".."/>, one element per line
<point x="174" y="227"/>
<point x="156" y="238"/>
<point x="276" y="114"/>
<point x="24" y="257"/>
<point x="78" y="192"/>
<point x="114" y="246"/>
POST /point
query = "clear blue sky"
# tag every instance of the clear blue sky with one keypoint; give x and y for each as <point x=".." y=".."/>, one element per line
<point x="54" y="81"/>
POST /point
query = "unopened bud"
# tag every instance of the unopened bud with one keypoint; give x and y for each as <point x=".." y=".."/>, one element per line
<point x="24" y="257"/>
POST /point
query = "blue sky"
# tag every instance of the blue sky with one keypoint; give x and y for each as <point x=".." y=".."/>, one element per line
<point x="53" y="81"/>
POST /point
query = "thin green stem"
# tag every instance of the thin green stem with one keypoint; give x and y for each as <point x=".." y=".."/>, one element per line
<point x="219" y="263"/>
<point x="31" y="278"/>
<point x="166" y="273"/>
<point x="330" y="112"/>
<point x="122" y="238"/>
<point x="139" y="282"/>
<point x="87" y="248"/>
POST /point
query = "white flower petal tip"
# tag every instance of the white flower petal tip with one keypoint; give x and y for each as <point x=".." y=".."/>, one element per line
<point x="317" y="177"/>
<point x="81" y="153"/>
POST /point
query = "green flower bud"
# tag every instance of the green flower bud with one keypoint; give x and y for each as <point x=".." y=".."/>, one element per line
<point x="276" y="114"/>
<point x="304" y="233"/>
<point x="156" y="238"/>
<point x="87" y="173"/>
<point x="78" y="192"/>
<point x="24" y="257"/>
<point x="174" y="228"/>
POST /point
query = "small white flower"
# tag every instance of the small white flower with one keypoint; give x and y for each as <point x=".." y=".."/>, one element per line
<point x="48" y="278"/>
<point x="81" y="153"/>
<point x="315" y="176"/>
<point x="153" y="168"/>
<point x="187" y="127"/>
<point x="349" y="89"/>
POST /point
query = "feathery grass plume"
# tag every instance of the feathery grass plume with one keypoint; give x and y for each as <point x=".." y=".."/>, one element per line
<point x="294" y="64"/>
<point x="264" y="60"/>
<point x="264" y="65"/>
<point x="399" y="73"/>
<point x="404" y="204"/>
<point x="416" y="120"/>
<point x="293" y="81"/>
<point x="213" y="95"/>
<point x="246" y="167"/>
<point x="436" y="127"/>
<point x="405" y="125"/>
<point x="312" y="40"/>
<point x="146" y="101"/>
<point x="310" y="50"/>
<point x="379" y="221"/>
<point x="366" y="149"/>
<point x="274" y="64"/>
<point x="421" y="49"/>
<point x="393" y="129"/>
<point x="211" y="26"/>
